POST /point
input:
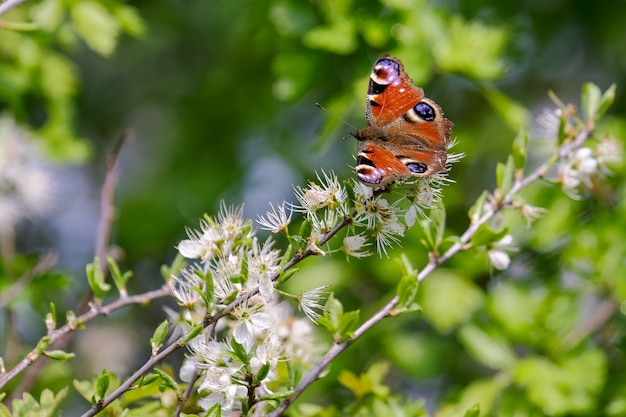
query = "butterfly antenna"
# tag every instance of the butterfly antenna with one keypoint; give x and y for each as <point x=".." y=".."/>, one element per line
<point x="336" y="117"/>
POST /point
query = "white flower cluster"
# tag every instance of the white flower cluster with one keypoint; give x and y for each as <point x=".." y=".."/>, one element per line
<point x="238" y="357"/>
<point x="585" y="163"/>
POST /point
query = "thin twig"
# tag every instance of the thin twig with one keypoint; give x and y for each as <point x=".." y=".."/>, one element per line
<point x="107" y="202"/>
<point x="183" y="398"/>
<point x="433" y="264"/>
<point x="8" y="5"/>
<point x="68" y="328"/>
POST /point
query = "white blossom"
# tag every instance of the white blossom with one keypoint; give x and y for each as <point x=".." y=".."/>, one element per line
<point x="187" y="286"/>
<point x="353" y="246"/>
<point x="498" y="254"/>
<point x="277" y="219"/>
<point x="311" y="303"/>
<point x="250" y="321"/>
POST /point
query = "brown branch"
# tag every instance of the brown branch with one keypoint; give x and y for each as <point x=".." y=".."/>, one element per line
<point x="94" y="312"/>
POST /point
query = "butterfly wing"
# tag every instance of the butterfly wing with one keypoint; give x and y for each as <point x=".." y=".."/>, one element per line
<point x="407" y="133"/>
<point x="378" y="165"/>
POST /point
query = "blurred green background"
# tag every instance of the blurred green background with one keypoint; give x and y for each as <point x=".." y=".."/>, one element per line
<point x="220" y="97"/>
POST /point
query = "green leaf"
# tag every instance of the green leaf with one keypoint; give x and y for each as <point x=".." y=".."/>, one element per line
<point x="590" y="101"/>
<point x="333" y="310"/>
<point x="51" y="318"/>
<point x="96" y="279"/>
<point x="348" y="323"/>
<point x="95" y="25"/>
<point x="476" y="211"/>
<point x="485" y="235"/>
<point x="434" y="227"/>
<point x="490" y="349"/>
<point x="264" y="370"/>
<point x="471" y="48"/>
<point x="473" y="412"/>
<point x="570" y="387"/>
<point x="130" y="20"/>
<point x="193" y="333"/>
<point x="505" y="175"/>
<point x="339" y="37"/>
<point x="239" y="352"/>
<point x="119" y="279"/>
<point x="407" y="287"/>
<point x="42" y="345"/>
<point x="168" y="382"/>
<point x="102" y="384"/>
<point x="607" y="100"/>
<point x="520" y="145"/>
<point x="59" y="355"/>
<point x="448" y="300"/>
<point x="58" y="79"/>
<point x="215" y="411"/>
<point x="178" y="263"/>
<point x="156" y="341"/>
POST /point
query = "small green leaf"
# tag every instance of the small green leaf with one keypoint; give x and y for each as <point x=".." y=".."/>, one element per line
<point x="168" y="382"/>
<point x="193" y="333"/>
<point x="407" y="290"/>
<point x="119" y="279"/>
<point x="490" y="349"/>
<point x="215" y="411"/>
<point x="147" y="380"/>
<point x="156" y="341"/>
<point x="306" y="228"/>
<point x="285" y="275"/>
<point x="51" y="318"/>
<point x="42" y="345"/>
<point x="485" y="235"/>
<point x="174" y="268"/>
<point x="476" y="211"/>
<point x="130" y="20"/>
<point x="607" y="100"/>
<point x="473" y="412"/>
<point x="347" y="325"/>
<point x="333" y="310"/>
<point x="239" y="352"/>
<point x="96" y="279"/>
<point x="520" y="144"/>
<point x="590" y="101"/>
<point x="264" y="370"/>
<point x="434" y="227"/>
<point x="95" y="25"/>
<point x="340" y="37"/>
<point x="102" y="384"/>
<point x="504" y="175"/>
<point x="287" y="255"/>
<point x="58" y="355"/>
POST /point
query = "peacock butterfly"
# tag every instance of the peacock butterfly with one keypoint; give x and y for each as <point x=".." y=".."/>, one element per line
<point x="406" y="135"/>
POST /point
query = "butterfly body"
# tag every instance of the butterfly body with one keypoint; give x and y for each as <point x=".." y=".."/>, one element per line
<point x="406" y="135"/>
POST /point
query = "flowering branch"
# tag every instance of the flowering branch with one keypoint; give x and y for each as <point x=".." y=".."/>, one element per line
<point x="208" y="322"/>
<point x="462" y="244"/>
